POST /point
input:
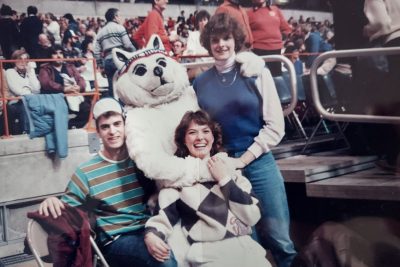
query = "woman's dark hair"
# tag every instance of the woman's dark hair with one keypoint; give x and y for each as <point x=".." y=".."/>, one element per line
<point x="85" y="43"/>
<point x="110" y="14"/>
<point x="222" y="25"/>
<point x="199" y="117"/>
<point x="202" y="14"/>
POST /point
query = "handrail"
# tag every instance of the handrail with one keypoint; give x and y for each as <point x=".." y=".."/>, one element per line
<point x="271" y="58"/>
<point x="4" y="98"/>
<point x="349" y="117"/>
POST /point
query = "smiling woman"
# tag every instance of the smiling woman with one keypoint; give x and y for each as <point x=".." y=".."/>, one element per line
<point x="250" y="114"/>
<point x="216" y="223"/>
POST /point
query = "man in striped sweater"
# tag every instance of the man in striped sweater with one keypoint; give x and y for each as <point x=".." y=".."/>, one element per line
<point x="111" y="187"/>
<point x="112" y="35"/>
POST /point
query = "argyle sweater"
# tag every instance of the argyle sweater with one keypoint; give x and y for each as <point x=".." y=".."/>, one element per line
<point x="208" y="212"/>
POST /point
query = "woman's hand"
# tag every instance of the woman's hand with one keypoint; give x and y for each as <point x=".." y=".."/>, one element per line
<point x="218" y="168"/>
<point x="157" y="247"/>
<point x="51" y="205"/>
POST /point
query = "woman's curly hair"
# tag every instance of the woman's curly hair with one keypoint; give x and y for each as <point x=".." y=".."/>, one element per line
<point x="199" y="117"/>
<point x="222" y="25"/>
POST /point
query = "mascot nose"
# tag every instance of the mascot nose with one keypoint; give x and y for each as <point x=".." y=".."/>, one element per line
<point x="158" y="71"/>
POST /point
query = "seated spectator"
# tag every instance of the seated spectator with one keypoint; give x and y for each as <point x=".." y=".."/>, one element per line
<point x="178" y="47"/>
<point x="60" y="77"/>
<point x="71" y="48"/>
<point x="72" y="24"/>
<point x="292" y="53"/>
<point x="87" y="52"/>
<point x="211" y="238"/>
<point x="21" y="80"/>
<point x="42" y="49"/>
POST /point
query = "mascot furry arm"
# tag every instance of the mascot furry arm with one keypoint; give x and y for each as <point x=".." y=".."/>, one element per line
<point x="156" y="91"/>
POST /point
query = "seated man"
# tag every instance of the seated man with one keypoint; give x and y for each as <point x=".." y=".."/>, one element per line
<point x="60" y="77"/>
<point x="112" y="180"/>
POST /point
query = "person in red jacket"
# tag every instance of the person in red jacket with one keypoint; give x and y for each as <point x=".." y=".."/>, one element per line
<point x="233" y="9"/>
<point x="268" y="25"/>
<point x="153" y="24"/>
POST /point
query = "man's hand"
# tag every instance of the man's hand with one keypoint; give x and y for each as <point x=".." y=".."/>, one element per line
<point x="74" y="89"/>
<point x="157" y="247"/>
<point x="51" y="205"/>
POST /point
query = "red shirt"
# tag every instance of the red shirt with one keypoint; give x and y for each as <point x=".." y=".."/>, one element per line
<point x="267" y="26"/>
<point x="240" y="15"/>
<point x="153" y="24"/>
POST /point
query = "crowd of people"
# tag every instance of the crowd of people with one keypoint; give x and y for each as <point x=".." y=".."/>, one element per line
<point x="230" y="30"/>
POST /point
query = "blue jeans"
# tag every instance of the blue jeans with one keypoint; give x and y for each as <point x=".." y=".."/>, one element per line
<point x="273" y="227"/>
<point x="110" y="69"/>
<point x="130" y="250"/>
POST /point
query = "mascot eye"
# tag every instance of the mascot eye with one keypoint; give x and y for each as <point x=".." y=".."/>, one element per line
<point x="162" y="62"/>
<point x="140" y="70"/>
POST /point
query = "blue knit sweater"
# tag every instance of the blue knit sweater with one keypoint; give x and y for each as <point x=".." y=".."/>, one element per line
<point x="236" y="107"/>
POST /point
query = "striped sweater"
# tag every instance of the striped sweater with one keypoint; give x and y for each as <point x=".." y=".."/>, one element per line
<point x="115" y="188"/>
<point x="110" y="36"/>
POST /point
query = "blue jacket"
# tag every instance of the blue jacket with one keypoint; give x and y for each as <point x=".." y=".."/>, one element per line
<point x="48" y="116"/>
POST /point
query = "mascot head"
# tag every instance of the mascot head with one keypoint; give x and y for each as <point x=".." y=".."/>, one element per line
<point x="148" y="77"/>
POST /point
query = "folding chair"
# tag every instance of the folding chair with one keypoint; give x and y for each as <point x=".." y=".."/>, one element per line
<point x="37" y="241"/>
<point x="285" y="97"/>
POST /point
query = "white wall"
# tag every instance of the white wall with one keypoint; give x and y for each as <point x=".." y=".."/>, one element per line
<point x="98" y="9"/>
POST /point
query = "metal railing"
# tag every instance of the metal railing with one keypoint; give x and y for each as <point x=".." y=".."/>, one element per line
<point x="271" y="58"/>
<point x="349" y="117"/>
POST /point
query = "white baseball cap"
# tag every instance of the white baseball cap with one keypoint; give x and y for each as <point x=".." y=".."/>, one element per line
<point x="105" y="105"/>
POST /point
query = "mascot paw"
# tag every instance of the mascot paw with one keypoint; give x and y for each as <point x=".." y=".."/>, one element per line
<point x="251" y="64"/>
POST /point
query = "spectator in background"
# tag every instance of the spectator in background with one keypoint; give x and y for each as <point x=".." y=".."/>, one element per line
<point x="87" y="52"/>
<point x="31" y="27"/>
<point x="82" y="32"/>
<point x="71" y="48"/>
<point x="233" y="9"/>
<point x="21" y="80"/>
<point x="72" y="24"/>
<point x="60" y="77"/>
<point x="9" y="33"/>
<point x="312" y="43"/>
<point x="178" y="47"/>
<point x="153" y="24"/>
<point x="193" y="46"/>
<point x="181" y="17"/>
<point x="268" y="27"/>
<point x="42" y="49"/>
<point x="53" y="28"/>
<point x="112" y="35"/>
<point x="292" y="53"/>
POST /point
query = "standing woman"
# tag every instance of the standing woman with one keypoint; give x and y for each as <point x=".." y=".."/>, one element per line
<point x="250" y="114"/>
<point x="267" y="25"/>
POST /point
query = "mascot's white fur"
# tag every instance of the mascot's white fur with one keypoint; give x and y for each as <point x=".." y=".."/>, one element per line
<point x="157" y="93"/>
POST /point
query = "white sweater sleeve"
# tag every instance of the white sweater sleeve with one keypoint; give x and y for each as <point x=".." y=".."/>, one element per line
<point x="379" y="22"/>
<point x="274" y="125"/>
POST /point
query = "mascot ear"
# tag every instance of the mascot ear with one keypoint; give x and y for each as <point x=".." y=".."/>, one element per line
<point x="155" y="43"/>
<point x="120" y="57"/>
